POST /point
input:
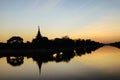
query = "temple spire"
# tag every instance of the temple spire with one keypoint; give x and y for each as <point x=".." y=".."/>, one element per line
<point x="38" y="28"/>
<point x="39" y="33"/>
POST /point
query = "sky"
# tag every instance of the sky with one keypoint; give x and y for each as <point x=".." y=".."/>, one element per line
<point x="97" y="20"/>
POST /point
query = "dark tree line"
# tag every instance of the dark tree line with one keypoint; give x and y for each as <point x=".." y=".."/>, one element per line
<point x="61" y="55"/>
<point x="16" y="42"/>
<point x="59" y="49"/>
<point x="116" y="44"/>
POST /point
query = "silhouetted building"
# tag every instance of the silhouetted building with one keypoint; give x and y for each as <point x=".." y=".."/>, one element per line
<point x="39" y="41"/>
<point x="38" y="37"/>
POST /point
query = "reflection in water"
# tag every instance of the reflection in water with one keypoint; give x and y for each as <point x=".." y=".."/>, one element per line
<point x="58" y="55"/>
<point x="15" y="60"/>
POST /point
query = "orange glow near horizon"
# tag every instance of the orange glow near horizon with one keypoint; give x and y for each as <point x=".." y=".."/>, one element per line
<point x="104" y="38"/>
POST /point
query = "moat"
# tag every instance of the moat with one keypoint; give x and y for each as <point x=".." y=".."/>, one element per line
<point x="99" y="64"/>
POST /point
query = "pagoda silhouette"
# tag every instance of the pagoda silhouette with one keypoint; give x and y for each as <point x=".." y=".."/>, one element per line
<point x="39" y="40"/>
<point x="38" y="37"/>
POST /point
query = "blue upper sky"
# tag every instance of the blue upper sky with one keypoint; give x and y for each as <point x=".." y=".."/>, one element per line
<point x="95" y="19"/>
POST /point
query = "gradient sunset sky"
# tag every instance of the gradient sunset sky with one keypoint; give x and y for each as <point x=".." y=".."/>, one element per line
<point x="98" y="20"/>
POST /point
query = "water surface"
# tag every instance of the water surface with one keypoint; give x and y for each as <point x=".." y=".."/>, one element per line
<point x="102" y="64"/>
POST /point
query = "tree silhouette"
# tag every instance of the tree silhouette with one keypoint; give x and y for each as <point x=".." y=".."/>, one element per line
<point x="15" y="42"/>
<point x="116" y="44"/>
<point x="15" y="39"/>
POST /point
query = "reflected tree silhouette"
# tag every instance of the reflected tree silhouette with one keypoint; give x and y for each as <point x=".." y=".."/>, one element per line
<point x="57" y="55"/>
<point x="80" y="51"/>
<point x="15" y="60"/>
